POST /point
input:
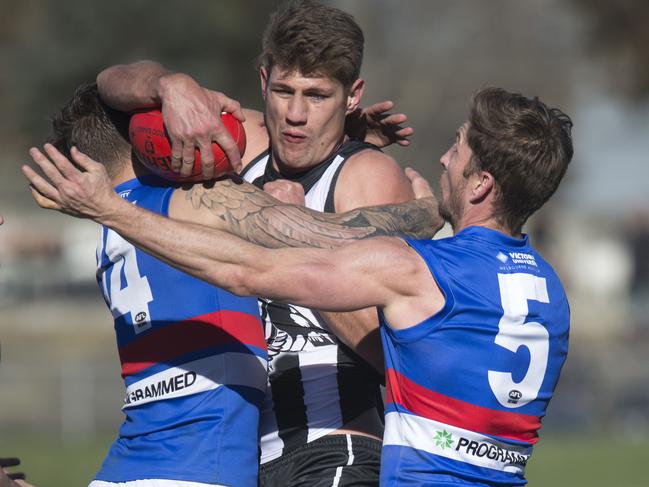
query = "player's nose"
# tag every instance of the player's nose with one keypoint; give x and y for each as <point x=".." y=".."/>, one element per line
<point x="297" y="111"/>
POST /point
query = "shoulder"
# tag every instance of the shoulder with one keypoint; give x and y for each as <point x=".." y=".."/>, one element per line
<point x="180" y="205"/>
<point x="192" y="203"/>
<point x="256" y="135"/>
<point x="414" y="293"/>
<point x="371" y="177"/>
<point x="387" y="259"/>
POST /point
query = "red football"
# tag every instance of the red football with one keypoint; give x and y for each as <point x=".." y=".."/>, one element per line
<point x="152" y="146"/>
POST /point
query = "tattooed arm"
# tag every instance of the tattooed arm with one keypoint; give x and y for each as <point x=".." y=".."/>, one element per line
<point x="246" y="211"/>
<point x="256" y="216"/>
<point x="238" y="208"/>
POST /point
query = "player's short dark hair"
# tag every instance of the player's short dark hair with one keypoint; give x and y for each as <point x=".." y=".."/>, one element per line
<point x="93" y="127"/>
<point x="525" y="145"/>
<point x="314" y="39"/>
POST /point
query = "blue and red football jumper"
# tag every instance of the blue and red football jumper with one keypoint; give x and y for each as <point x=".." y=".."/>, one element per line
<point x="467" y="388"/>
<point x="193" y="361"/>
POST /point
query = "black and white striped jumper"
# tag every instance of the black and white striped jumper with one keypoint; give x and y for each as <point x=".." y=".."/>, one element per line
<point x="316" y="384"/>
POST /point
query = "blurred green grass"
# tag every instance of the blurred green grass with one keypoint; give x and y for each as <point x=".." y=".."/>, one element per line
<point x="49" y="462"/>
<point x="556" y="462"/>
<point x="589" y="461"/>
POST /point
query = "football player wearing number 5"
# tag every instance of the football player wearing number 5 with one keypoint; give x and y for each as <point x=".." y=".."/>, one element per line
<point x="474" y="326"/>
<point x="193" y="356"/>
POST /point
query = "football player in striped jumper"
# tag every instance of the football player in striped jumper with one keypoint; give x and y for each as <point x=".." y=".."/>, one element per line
<point x="474" y="326"/>
<point x="322" y="417"/>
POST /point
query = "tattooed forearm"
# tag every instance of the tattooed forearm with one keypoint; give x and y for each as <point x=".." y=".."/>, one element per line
<point x="256" y="216"/>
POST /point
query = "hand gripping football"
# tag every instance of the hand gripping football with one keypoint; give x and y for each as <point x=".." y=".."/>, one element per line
<point x="152" y="146"/>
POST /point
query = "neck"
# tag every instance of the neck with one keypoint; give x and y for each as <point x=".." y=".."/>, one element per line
<point x="122" y="177"/>
<point x="128" y="170"/>
<point x="485" y="221"/>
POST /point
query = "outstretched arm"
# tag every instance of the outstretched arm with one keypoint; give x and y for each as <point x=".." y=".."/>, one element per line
<point x="236" y="207"/>
<point x="302" y="276"/>
<point x="254" y="215"/>
<point x="372" y="272"/>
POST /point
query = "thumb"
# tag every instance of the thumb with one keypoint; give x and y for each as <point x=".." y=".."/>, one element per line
<point x="234" y="107"/>
<point x="420" y="186"/>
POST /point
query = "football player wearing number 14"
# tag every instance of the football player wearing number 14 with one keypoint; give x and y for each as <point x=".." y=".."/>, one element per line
<point x="474" y="326"/>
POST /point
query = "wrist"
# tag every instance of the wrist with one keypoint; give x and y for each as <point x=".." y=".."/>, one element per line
<point x="116" y="213"/>
<point x="168" y="84"/>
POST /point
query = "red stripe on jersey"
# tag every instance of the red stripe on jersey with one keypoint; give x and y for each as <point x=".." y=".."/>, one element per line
<point x="200" y="332"/>
<point x="438" y="407"/>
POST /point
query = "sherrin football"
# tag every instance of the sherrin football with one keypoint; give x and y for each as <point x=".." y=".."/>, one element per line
<point x="152" y="146"/>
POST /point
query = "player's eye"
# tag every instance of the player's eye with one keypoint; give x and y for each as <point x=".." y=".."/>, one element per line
<point x="281" y="91"/>
<point x="318" y="96"/>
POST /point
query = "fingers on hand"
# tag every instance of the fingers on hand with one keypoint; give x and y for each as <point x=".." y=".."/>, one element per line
<point x="207" y="159"/>
<point x="188" y="158"/>
<point x="380" y="107"/>
<point x="40" y="184"/>
<point x="227" y="144"/>
<point x="84" y="162"/>
<point x="176" y="153"/>
<point x="394" y="119"/>
<point x="403" y="134"/>
<point x="42" y="201"/>
<point x="64" y="166"/>
<point x="48" y="168"/>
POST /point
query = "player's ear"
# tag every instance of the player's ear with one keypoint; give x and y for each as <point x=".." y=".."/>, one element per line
<point x="482" y="183"/>
<point x="263" y="76"/>
<point x="355" y="95"/>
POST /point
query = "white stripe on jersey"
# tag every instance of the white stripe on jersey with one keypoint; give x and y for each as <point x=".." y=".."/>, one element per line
<point x="269" y="432"/>
<point x="256" y="170"/>
<point x="316" y="198"/>
<point x="318" y="365"/>
<point x="201" y="375"/>
<point x="409" y="430"/>
<point x="321" y="389"/>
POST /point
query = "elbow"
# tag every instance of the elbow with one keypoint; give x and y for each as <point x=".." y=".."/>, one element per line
<point x="103" y="78"/>
<point x="108" y="85"/>
<point x="235" y="279"/>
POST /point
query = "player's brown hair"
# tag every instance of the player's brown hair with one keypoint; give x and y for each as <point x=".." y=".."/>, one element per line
<point x="525" y="145"/>
<point x="315" y="39"/>
<point x="93" y="127"/>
